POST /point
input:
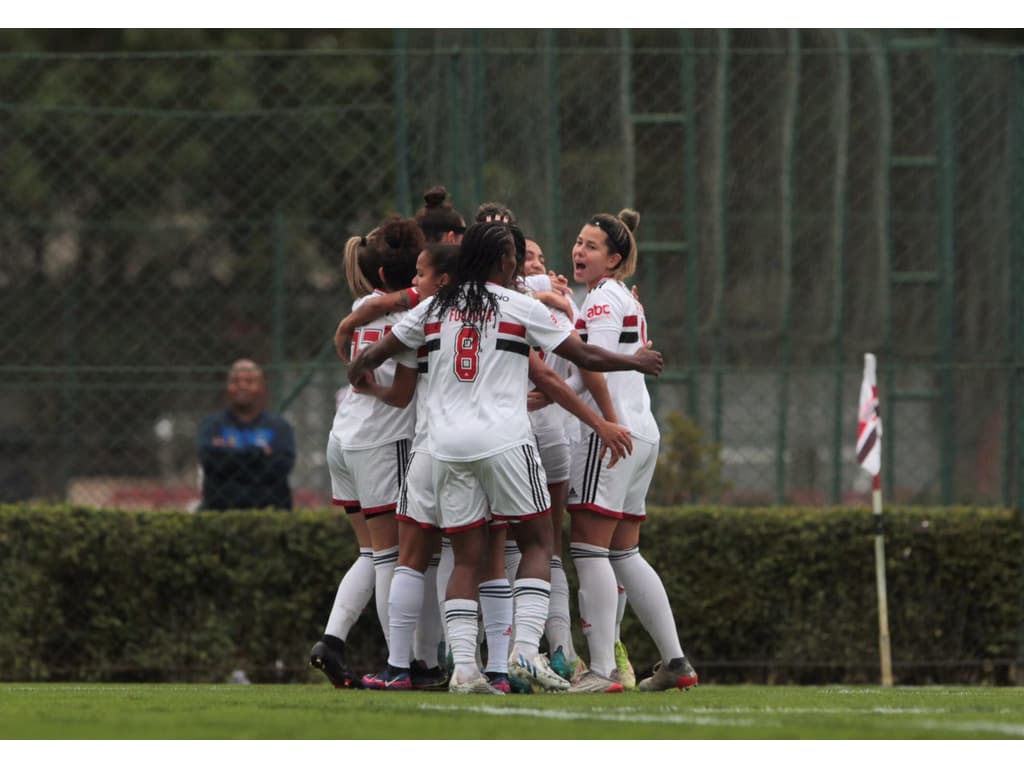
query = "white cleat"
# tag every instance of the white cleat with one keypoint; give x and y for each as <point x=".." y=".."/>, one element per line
<point x="536" y="670"/>
<point x="476" y="684"/>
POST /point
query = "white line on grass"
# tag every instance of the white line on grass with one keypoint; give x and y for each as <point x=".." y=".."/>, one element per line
<point x="621" y="717"/>
<point x="709" y="718"/>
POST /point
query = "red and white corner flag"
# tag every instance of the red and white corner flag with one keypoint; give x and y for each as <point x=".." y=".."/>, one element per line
<point x="869" y="423"/>
<point x="869" y="456"/>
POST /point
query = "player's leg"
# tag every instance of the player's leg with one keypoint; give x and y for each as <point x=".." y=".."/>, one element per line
<point x="356" y="587"/>
<point x="596" y="498"/>
<point x="517" y="490"/>
<point x="496" y="608"/>
<point x="463" y="507"/>
<point x="644" y="586"/>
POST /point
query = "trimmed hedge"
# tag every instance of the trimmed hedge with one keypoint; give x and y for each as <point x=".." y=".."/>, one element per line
<point x="778" y="594"/>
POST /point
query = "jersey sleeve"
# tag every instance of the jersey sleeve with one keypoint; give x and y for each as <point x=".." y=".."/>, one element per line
<point x="538" y="282"/>
<point x="543" y="329"/>
<point x="409" y="330"/>
<point x="414" y="297"/>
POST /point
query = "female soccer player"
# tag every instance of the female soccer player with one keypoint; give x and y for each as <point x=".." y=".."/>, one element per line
<point x="607" y="504"/>
<point x="369" y="445"/>
<point x="478" y="335"/>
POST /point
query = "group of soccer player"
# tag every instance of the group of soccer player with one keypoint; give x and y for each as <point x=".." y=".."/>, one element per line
<point x="456" y="474"/>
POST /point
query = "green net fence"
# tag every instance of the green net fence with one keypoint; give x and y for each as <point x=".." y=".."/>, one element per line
<point x="806" y="197"/>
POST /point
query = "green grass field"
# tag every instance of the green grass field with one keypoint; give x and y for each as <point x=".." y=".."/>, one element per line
<point x="136" y="711"/>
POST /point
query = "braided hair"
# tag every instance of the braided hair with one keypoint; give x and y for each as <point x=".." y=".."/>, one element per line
<point x="483" y="247"/>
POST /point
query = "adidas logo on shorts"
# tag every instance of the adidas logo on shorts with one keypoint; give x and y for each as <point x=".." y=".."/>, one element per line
<point x="573" y="494"/>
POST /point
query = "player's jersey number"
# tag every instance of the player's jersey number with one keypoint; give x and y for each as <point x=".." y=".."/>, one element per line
<point x="467" y="353"/>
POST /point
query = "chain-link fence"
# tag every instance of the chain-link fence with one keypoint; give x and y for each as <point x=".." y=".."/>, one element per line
<point x="806" y="196"/>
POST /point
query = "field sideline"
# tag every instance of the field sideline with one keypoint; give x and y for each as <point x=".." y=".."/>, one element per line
<point x="173" y="711"/>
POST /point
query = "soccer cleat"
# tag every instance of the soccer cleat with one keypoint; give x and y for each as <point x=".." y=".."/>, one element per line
<point x="476" y="684"/>
<point x="499" y="681"/>
<point x="562" y="665"/>
<point x="423" y="679"/>
<point x="626" y="674"/>
<point x="591" y="682"/>
<point x="580" y="668"/>
<point x="391" y="679"/>
<point x="331" y="661"/>
<point x="676" y="674"/>
<point x="536" y="670"/>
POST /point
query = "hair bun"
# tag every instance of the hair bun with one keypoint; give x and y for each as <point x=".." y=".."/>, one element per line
<point x="630" y="218"/>
<point x="435" y="196"/>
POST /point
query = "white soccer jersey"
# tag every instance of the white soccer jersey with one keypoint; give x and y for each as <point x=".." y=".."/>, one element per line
<point x="363" y="421"/>
<point x="611" y="318"/>
<point x="549" y="423"/>
<point x="478" y="375"/>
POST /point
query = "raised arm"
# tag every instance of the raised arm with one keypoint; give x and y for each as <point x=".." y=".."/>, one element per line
<point x="614" y="437"/>
<point x="594" y="358"/>
<point x="366" y="313"/>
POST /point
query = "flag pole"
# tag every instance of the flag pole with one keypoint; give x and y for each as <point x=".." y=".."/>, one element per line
<point x="884" y="648"/>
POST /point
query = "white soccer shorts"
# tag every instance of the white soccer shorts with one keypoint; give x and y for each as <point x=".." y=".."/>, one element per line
<point x="417" y="503"/>
<point x="367" y="481"/>
<point x="555" y="457"/>
<point x="617" y="492"/>
<point x="510" y="485"/>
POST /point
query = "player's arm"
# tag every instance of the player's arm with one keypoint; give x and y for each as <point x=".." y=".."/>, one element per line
<point x="614" y="437"/>
<point x="366" y="313"/>
<point x="597" y="385"/>
<point x="398" y="395"/>
<point x="595" y="358"/>
<point x="373" y="357"/>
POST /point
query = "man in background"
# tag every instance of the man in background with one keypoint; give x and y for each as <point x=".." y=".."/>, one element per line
<point x="245" y="451"/>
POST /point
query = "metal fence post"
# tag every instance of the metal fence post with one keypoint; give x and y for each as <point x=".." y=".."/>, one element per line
<point x="278" y="297"/>
<point x="400" y="46"/>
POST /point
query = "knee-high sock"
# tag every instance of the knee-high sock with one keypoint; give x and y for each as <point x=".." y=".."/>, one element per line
<point x="512" y="558"/>
<point x="532" y="600"/>
<point x="620" y="607"/>
<point x="430" y="628"/>
<point x="404" y="603"/>
<point x="558" y="628"/>
<point x="496" y="607"/>
<point x="649" y="600"/>
<point x="460" y="616"/>
<point x="384" y="562"/>
<point x="353" y="594"/>
<point x="597" y="598"/>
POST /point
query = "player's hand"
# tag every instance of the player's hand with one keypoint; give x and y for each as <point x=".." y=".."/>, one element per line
<point x="366" y="384"/>
<point x="649" y="361"/>
<point x="537" y="400"/>
<point x="560" y="283"/>
<point x="614" y="438"/>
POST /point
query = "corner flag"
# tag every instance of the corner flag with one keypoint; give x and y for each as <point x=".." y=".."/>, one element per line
<point x="869" y="423"/>
<point x="869" y="456"/>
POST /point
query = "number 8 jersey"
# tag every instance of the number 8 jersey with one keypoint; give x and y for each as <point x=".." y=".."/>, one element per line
<point x="478" y="372"/>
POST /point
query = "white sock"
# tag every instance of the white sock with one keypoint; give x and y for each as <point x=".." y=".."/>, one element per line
<point x="404" y="603"/>
<point x="597" y="598"/>
<point x="353" y="594"/>
<point x="384" y="562"/>
<point x="620" y="607"/>
<point x="558" y="629"/>
<point x="460" y="618"/>
<point x="532" y="600"/>
<point x="430" y="628"/>
<point x="496" y="606"/>
<point x="444" y="572"/>
<point x="512" y="558"/>
<point x="649" y="600"/>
